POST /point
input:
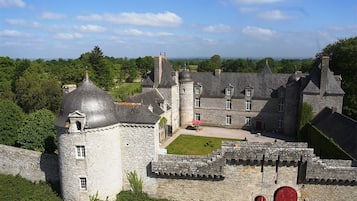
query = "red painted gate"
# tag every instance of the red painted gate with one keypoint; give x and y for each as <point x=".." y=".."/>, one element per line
<point x="285" y="193"/>
<point x="260" y="198"/>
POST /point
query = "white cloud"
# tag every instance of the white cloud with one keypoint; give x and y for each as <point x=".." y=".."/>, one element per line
<point x="166" y="19"/>
<point x="52" y="16"/>
<point x="91" y="28"/>
<point x="68" y="36"/>
<point x="220" y="28"/>
<point x="12" y="33"/>
<point x="23" y="23"/>
<point x="256" y="1"/>
<point x="273" y="15"/>
<point x="137" y="32"/>
<point x="12" y="3"/>
<point x="258" y="32"/>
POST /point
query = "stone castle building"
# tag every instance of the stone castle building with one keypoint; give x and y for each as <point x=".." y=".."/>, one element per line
<point x="100" y="141"/>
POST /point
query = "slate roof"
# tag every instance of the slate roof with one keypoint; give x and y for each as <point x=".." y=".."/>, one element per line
<point x="97" y="105"/>
<point x="342" y="129"/>
<point x="135" y="113"/>
<point x="152" y="97"/>
<point x="166" y="77"/>
<point x="264" y="84"/>
<point x="313" y="85"/>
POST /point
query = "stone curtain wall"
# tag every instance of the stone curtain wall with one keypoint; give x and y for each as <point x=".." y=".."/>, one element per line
<point x="31" y="165"/>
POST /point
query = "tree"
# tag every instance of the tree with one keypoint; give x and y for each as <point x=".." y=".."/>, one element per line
<point x="38" y="132"/>
<point x="343" y="61"/>
<point x="10" y="120"/>
<point x="103" y="74"/>
<point x="216" y="60"/>
<point x="144" y="65"/>
<point x="36" y="90"/>
<point x="206" y="66"/>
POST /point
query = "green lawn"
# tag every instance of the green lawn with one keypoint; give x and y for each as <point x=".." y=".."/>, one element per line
<point x="195" y="145"/>
<point x="125" y="90"/>
<point x="18" y="188"/>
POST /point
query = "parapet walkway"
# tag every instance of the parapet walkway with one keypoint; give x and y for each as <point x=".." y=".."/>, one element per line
<point x="224" y="133"/>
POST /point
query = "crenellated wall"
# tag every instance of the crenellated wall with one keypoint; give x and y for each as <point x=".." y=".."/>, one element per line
<point x="244" y="170"/>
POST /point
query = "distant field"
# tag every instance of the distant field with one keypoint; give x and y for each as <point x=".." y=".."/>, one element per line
<point x="124" y="90"/>
<point x="195" y="145"/>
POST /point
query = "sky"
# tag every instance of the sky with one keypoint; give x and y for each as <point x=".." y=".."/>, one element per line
<point x="52" y="29"/>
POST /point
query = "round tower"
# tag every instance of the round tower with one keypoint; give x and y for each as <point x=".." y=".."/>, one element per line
<point x="89" y="144"/>
<point x="186" y="98"/>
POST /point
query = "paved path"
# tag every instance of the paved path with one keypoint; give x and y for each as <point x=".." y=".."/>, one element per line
<point x="222" y="132"/>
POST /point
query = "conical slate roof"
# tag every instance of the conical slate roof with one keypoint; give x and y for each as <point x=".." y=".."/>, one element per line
<point x="96" y="104"/>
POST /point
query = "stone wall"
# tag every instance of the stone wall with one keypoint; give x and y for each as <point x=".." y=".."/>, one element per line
<point x="31" y="165"/>
<point x="319" y="102"/>
<point x="101" y="165"/>
<point x="213" y="113"/>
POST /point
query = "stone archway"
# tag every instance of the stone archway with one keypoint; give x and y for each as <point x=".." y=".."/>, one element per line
<point x="285" y="193"/>
<point x="260" y="198"/>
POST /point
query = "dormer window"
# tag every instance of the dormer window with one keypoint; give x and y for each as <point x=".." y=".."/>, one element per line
<point x="229" y="90"/>
<point x="198" y="89"/>
<point x="248" y="91"/>
<point x="77" y="121"/>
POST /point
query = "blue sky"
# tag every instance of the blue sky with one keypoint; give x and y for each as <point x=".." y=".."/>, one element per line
<point x="180" y="28"/>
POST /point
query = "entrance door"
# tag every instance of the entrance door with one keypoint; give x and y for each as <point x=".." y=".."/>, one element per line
<point x="260" y="198"/>
<point x="285" y="193"/>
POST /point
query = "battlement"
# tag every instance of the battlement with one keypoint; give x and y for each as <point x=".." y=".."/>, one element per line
<point x="311" y="168"/>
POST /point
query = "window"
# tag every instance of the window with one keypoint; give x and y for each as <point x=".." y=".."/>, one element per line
<point x="248" y="92"/>
<point x="228" y="91"/>
<point x="281" y="105"/>
<point x="228" y="120"/>
<point x="197" y="102"/>
<point x="83" y="183"/>
<point x="81" y="152"/>
<point x="197" y="90"/>
<point x="248" y="105"/>
<point x="228" y="104"/>
<point x="247" y="121"/>
<point x="197" y="116"/>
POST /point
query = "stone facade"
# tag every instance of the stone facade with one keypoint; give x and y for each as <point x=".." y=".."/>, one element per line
<point x="99" y="163"/>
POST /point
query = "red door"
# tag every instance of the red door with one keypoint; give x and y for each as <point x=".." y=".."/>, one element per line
<point x="260" y="198"/>
<point x="285" y="193"/>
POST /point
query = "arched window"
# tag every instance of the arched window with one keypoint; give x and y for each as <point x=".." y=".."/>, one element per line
<point x="79" y="125"/>
<point x="260" y="198"/>
<point x="285" y="193"/>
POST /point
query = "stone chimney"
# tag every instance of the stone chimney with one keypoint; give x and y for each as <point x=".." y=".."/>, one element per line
<point x="158" y="70"/>
<point x="324" y="74"/>
<point x="217" y="72"/>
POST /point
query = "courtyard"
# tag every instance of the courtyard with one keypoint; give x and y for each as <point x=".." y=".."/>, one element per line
<point x="226" y="133"/>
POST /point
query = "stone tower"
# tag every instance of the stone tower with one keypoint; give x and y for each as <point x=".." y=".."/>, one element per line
<point x="186" y="98"/>
<point x="89" y="140"/>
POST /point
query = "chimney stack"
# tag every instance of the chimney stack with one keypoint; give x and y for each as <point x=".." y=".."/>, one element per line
<point x="324" y="74"/>
<point x="158" y="70"/>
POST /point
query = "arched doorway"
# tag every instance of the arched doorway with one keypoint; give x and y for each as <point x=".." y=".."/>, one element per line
<point x="260" y="198"/>
<point x="285" y="193"/>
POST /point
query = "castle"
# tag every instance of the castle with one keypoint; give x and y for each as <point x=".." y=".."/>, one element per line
<point x="99" y="141"/>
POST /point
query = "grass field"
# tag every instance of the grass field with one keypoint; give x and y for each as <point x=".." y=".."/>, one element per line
<point x="195" y="145"/>
<point x="125" y="90"/>
<point x="17" y="188"/>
